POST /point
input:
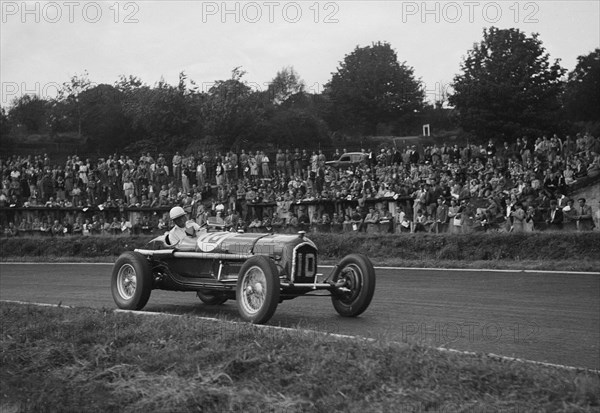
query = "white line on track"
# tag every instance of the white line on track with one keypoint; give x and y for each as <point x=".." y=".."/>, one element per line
<point x="331" y="266"/>
<point x="55" y="263"/>
<point x="324" y="333"/>
<point x="488" y="270"/>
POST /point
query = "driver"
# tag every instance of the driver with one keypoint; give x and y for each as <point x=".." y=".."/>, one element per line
<point x="182" y="228"/>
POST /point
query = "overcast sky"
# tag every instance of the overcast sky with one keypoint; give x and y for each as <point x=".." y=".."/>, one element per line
<point x="44" y="43"/>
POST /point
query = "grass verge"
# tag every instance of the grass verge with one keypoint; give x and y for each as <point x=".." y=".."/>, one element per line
<point x="57" y="359"/>
<point x="534" y="251"/>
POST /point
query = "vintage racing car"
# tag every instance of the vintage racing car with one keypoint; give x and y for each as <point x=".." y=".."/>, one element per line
<point x="257" y="270"/>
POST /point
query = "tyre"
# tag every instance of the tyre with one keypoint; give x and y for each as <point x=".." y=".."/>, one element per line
<point x="355" y="279"/>
<point x="211" y="297"/>
<point x="257" y="291"/>
<point x="131" y="282"/>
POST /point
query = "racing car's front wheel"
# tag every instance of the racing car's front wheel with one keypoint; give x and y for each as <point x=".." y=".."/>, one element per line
<point x="131" y="282"/>
<point x="257" y="291"/>
<point x="211" y="297"/>
<point x="355" y="285"/>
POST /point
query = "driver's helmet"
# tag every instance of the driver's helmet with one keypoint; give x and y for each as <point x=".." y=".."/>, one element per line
<point x="176" y="212"/>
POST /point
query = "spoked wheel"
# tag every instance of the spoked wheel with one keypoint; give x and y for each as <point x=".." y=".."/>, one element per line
<point x="131" y="281"/>
<point x="257" y="291"/>
<point x="355" y="285"/>
<point x="211" y="297"/>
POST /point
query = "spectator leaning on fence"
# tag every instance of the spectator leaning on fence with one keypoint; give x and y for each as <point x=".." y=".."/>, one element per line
<point x="585" y="221"/>
<point x="555" y="216"/>
<point x="570" y="215"/>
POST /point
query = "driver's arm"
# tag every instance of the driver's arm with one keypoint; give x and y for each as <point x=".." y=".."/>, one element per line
<point x="175" y="235"/>
<point x="191" y="228"/>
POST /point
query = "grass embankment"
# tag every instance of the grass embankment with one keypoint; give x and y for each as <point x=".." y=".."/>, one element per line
<point x="74" y="360"/>
<point x="549" y="251"/>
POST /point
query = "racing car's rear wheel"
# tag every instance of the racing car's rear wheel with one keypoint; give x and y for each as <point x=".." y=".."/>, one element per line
<point x="211" y="297"/>
<point x="131" y="282"/>
<point x="355" y="285"/>
<point x="257" y="291"/>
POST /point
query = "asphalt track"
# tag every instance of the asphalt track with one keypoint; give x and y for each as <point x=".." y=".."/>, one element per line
<point x="547" y="317"/>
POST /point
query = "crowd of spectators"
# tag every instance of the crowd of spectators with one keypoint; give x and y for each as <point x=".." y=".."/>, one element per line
<point x="436" y="188"/>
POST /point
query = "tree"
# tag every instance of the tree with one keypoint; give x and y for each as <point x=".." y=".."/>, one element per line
<point x="582" y="92"/>
<point x="285" y="84"/>
<point x="5" y="125"/>
<point x="166" y="115"/>
<point x="69" y="97"/>
<point x="296" y="123"/>
<point x="30" y="112"/>
<point x="508" y="87"/>
<point x="127" y="84"/>
<point x="372" y="87"/>
<point x="102" y="117"/>
<point x="5" y="128"/>
<point x="231" y="110"/>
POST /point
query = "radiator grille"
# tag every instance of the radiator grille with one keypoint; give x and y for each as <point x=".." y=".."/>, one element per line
<point x="305" y="265"/>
